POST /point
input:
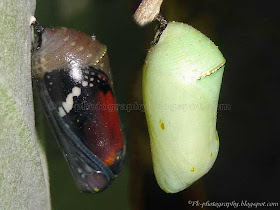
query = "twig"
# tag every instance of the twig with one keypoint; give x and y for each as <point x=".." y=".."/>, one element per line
<point x="147" y="11"/>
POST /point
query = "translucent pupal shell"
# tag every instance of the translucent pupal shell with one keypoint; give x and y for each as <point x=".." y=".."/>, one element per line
<point x="181" y="84"/>
<point x="72" y="75"/>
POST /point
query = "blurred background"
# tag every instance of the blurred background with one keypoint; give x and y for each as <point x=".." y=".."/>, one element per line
<point x="248" y="164"/>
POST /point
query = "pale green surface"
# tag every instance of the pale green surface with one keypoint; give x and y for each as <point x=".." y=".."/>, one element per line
<point x="177" y="95"/>
<point x="23" y="172"/>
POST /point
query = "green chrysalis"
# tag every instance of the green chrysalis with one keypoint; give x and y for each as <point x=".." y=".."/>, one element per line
<point x="181" y="84"/>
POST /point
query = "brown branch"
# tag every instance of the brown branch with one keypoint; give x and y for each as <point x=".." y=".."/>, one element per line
<point x="147" y="11"/>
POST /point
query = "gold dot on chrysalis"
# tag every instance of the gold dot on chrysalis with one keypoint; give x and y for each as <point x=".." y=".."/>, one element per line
<point x="161" y="125"/>
<point x="192" y="169"/>
<point x="217" y="137"/>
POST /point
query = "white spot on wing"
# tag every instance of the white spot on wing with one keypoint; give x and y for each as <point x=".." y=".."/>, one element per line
<point x="68" y="104"/>
<point x="61" y="112"/>
<point x="76" y="91"/>
<point x="84" y="83"/>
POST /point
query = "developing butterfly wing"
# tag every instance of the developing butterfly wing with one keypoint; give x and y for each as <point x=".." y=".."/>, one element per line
<point x="83" y="115"/>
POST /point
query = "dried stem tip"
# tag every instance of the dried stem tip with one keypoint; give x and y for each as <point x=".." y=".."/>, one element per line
<point x="147" y="11"/>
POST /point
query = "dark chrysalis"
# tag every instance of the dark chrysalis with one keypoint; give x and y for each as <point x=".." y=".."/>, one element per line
<point x="71" y="72"/>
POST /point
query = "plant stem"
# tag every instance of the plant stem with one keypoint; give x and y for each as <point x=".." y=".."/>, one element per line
<point x="147" y="11"/>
